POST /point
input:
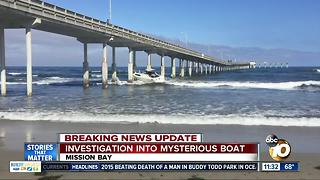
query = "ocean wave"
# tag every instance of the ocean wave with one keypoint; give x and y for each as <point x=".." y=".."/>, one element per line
<point x="163" y="119"/>
<point x="317" y="70"/>
<point x="47" y="81"/>
<point x="96" y="75"/>
<point x="246" y="85"/>
<point x="53" y="80"/>
<point x="16" y="74"/>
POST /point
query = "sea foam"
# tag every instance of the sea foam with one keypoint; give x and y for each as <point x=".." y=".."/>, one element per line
<point x="164" y="119"/>
<point x="245" y="85"/>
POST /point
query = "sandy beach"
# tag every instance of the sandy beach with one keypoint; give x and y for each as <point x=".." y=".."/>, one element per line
<point x="305" y="144"/>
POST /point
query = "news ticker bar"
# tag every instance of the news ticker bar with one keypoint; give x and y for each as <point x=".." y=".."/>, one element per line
<point x="29" y="166"/>
<point x="142" y="166"/>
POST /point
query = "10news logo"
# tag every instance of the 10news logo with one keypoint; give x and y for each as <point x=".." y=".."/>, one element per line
<point x="279" y="149"/>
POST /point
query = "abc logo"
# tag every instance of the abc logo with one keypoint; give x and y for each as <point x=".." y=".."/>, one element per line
<point x="279" y="149"/>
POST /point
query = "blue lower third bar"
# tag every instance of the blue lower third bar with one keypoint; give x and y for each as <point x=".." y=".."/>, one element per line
<point x="289" y="166"/>
<point x="149" y="166"/>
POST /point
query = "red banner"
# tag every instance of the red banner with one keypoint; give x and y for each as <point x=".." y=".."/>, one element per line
<point x="158" y="148"/>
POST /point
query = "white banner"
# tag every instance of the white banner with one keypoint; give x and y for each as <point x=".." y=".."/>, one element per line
<point x="192" y="157"/>
<point x="91" y="138"/>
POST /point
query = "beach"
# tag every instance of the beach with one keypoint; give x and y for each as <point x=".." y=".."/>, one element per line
<point x="304" y="141"/>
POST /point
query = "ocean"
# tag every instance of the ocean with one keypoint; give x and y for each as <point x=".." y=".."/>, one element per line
<point x="261" y="96"/>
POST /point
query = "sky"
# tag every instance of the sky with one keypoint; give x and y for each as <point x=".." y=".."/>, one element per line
<point x="290" y="24"/>
<point x="243" y="25"/>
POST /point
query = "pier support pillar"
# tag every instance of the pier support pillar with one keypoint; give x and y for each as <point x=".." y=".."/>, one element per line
<point x="193" y="67"/>
<point x="85" y="66"/>
<point x="206" y="68"/>
<point x="134" y="61"/>
<point x="181" y="65"/>
<point x="197" y="67"/>
<point x="29" y="61"/>
<point x="163" y="68"/>
<point x="149" y="61"/>
<point x="210" y="68"/>
<point x="104" y="69"/>
<point x="130" y="66"/>
<point x="201" y="68"/>
<point x="173" y="68"/>
<point x="190" y="68"/>
<point x="114" y="65"/>
<point x="3" y="63"/>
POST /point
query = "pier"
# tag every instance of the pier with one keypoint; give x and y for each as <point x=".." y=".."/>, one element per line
<point x="39" y="15"/>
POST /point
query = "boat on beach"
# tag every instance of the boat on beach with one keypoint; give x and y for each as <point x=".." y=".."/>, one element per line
<point x="149" y="76"/>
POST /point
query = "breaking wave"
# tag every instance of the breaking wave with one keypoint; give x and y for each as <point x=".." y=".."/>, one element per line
<point x="246" y="85"/>
<point x="16" y="74"/>
<point x="48" y="81"/>
<point x="164" y="119"/>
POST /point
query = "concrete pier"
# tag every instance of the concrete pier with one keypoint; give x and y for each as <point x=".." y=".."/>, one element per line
<point x="29" y="60"/>
<point x="114" y="65"/>
<point x="46" y="17"/>
<point x="206" y="68"/>
<point x="130" y="66"/>
<point x="190" y="68"/>
<point x="197" y="67"/>
<point x="104" y="68"/>
<point x="149" y="61"/>
<point x="3" y="63"/>
<point x="85" y="66"/>
<point x="193" y="67"/>
<point x="181" y="65"/>
<point x="134" y="61"/>
<point x="173" y="68"/>
<point x="163" y="68"/>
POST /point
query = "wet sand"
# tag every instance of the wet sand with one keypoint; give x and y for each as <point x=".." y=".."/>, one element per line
<point x="305" y="142"/>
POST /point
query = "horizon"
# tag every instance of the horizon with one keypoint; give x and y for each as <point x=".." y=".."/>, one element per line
<point x="262" y="67"/>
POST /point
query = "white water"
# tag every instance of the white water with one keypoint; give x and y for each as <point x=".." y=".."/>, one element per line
<point x="16" y="74"/>
<point x="96" y="75"/>
<point x="165" y="119"/>
<point x="191" y="84"/>
<point x="48" y="81"/>
<point x="235" y="84"/>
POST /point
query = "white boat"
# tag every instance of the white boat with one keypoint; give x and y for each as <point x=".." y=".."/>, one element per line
<point x="318" y="70"/>
<point x="149" y="76"/>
